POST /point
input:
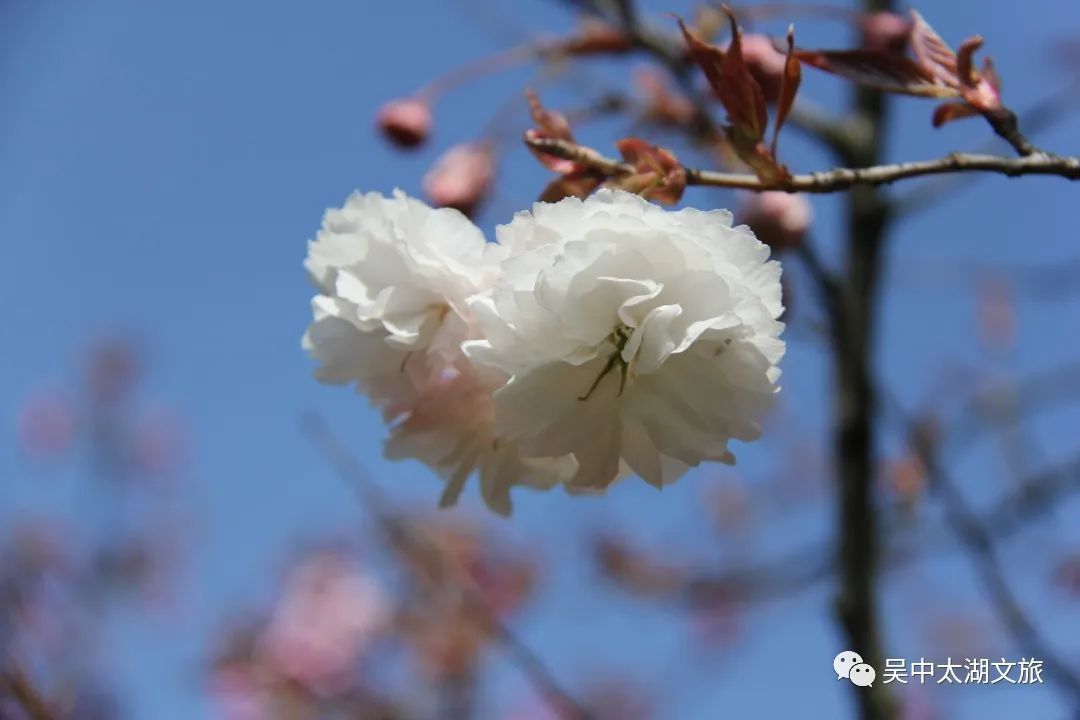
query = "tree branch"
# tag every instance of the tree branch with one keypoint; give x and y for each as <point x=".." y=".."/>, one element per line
<point x="867" y="214"/>
<point x="15" y="684"/>
<point x="830" y="181"/>
<point x="980" y="543"/>
<point x="402" y="534"/>
<point x="1035" y="119"/>
<point x="812" y="564"/>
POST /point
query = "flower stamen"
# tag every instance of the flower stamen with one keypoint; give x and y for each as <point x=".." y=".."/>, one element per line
<point x="619" y="337"/>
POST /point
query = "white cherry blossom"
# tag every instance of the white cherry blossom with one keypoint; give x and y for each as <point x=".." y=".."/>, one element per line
<point x="394" y="276"/>
<point x="449" y="428"/>
<point x="630" y="334"/>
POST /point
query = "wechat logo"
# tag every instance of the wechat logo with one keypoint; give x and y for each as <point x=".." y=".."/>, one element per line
<point x="850" y="665"/>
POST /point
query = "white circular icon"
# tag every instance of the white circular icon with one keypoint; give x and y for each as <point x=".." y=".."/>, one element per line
<point x="843" y="663"/>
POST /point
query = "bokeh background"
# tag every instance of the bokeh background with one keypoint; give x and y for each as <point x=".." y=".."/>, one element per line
<point x="162" y="165"/>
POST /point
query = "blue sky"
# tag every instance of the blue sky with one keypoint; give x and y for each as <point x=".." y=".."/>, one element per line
<point x="161" y="167"/>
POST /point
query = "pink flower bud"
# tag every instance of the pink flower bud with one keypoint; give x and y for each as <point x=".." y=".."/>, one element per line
<point x="765" y="62"/>
<point x="779" y="219"/>
<point x="406" y="122"/>
<point x="885" y="32"/>
<point x="461" y="177"/>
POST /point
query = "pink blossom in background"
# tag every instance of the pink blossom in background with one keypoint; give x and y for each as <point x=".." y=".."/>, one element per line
<point x="885" y="32"/>
<point x="328" y="615"/>
<point x="1067" y="574"/>
<point x="238" y="695"/>
<point x="38" y="563"/>
<point x="461" y="177"/>
<point x="46" y="425"/>
<point x="112" y="371"/>
<point x="160" y="443"/>
<point x="717" y="625"/>
<point x="663" y="105"/>
<point x="406" y="122"/>
<point x="779" y="219"/>
<point x="916" y="704"/>
<point x="997" y="315"/>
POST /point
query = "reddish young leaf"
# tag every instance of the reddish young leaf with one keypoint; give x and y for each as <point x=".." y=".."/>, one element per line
<point x="934" y="54"/>
<point x="947" y="112"/>
<point x="551" y="125"/>
<point x="789" y="86"/>
<point x="990" y="74"/>
<point x="577" y="184"/>
<point x="885" y="71"/>
<point x="955" y="69"/>
<point x="709" y="58"/>
<point x="762" y="162"/>
<point x="731" y="80"/>
<point x="965" y="68"/>
<point x="746" y="104"/>
<point x="980" y="91"/>
<point x="658" y="173"/>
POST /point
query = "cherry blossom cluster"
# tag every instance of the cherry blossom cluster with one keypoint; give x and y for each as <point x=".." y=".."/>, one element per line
<point x="594" y="340"/>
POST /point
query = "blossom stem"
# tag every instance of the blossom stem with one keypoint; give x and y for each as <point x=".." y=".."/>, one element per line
<point x="487" y="65"/>
<point x="830" y="181"/>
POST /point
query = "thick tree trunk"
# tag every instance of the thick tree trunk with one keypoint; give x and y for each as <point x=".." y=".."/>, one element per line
<point x="867" y="217"/>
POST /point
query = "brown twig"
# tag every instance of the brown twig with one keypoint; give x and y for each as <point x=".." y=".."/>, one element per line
<point x="981" y="545"/>
<point x="809" y="565"/>
<point x="830" y="181"/>
<point x="1006" y="126"/>
<point x="1035" y="119"/>
<point x="666" y="48"/>
<point x="15" y="683"/>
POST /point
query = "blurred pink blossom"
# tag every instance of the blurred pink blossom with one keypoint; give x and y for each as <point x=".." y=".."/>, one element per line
<point x="238" y="696"/>
<point x="112" y="370"/>
<point x="885" y="32"/>
<point x="997" y="315"/>
<point x="1067" y="574"/>
<point x="160" y="443"/>
<point x="406" y="122"/>
<point x="917" y="704"/>
<point x="717" y="625"/>
<point x="330" y="612"/>
<point x="46" y="425"/>
<point x="779" y="219"/>
<point x="663" y="105"/>
<point x="461" y="177"/>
